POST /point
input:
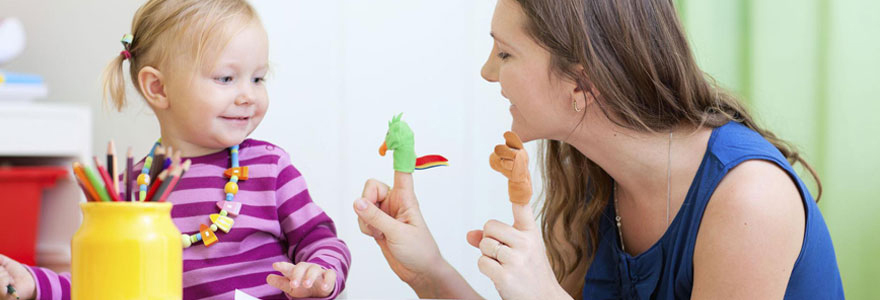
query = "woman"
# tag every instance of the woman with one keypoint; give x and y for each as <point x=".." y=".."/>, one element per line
<point x="657" y="184"/>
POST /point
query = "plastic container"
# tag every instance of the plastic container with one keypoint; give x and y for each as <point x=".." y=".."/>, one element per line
<point x="127" y="250"/>
<point x="22" y="191"/>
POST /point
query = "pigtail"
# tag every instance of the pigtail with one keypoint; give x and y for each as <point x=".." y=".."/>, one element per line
<point x="114" y="83"/>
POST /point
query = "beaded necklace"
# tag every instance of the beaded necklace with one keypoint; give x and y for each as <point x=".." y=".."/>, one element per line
<point x="228" y="208"/>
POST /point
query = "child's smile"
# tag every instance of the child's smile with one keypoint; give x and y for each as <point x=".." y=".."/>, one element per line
<point x="237" y="120"/>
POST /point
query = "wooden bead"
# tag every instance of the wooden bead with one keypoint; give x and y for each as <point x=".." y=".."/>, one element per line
<point x="240" y="172"/>
<point x="222" y="222"/>
<point x="208" y="236"/>
<point x="231" y="208"/>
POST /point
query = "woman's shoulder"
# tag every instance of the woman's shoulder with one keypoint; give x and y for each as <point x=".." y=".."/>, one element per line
<point x="755" y="179"/>
<point x="734" y="143"/>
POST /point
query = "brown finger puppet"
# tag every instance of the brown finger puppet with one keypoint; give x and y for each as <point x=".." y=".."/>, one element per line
<point x="512" y="161"/>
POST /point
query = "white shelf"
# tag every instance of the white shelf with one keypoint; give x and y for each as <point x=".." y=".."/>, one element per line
<point x="45" y="130"/>
<point x="49" y="134"/>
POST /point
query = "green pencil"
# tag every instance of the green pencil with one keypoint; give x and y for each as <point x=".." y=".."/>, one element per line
<point x="97" y="183"/>
<point x="11" y="291"/>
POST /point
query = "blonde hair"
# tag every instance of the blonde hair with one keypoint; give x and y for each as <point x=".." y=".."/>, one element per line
<point x="173" y="34"/>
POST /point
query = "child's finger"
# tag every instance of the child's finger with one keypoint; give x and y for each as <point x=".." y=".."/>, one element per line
<point x="296" y="276"/>
<point x="280" y="283"/>
<point x="5" y="280"/>
<point x="329" y="281"/>
<point x="312" y="275"/>
<point x="285" y="268"/>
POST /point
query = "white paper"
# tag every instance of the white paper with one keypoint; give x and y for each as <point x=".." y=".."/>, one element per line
<point x="239" y="295"/>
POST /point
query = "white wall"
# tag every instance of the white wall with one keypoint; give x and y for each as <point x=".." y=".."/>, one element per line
<point x="341" y="68"/>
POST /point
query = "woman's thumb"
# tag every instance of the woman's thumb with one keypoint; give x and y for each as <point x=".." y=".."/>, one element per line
<point x="403" y="181"/>
<point x="523" y="218"/>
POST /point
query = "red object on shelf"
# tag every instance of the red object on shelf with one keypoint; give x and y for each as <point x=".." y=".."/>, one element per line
<point x="21" y="190"/>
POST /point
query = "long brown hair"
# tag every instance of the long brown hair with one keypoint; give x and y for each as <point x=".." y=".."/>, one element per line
<point x="636" y="55"/>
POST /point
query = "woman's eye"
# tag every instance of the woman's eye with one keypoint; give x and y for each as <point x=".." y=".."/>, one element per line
<point x="503" y="55"/>
<point x="224" y="79"/>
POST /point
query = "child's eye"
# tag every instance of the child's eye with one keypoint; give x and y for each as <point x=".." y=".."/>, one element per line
<point x="503" y="55"/>
<point x="259" y="80"/>
<point x="224" y="79"/>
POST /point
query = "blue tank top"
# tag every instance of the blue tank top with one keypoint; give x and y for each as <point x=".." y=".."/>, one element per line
<point x="665" y="271"/>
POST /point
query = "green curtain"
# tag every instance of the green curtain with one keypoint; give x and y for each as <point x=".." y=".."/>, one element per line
<point x="809" y="71"/>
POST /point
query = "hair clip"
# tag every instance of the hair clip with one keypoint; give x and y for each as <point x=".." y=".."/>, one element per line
<point x="126" y="39"/>
<point x="126" y="43"/>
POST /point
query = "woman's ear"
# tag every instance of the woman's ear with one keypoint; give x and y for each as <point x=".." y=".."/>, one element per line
<point x="152" y="86"/>
<point x="583" y="92"/>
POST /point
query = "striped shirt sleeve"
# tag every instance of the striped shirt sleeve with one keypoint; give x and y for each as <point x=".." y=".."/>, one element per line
<point x="50" y="285"/>
<point x="310" y="233"/>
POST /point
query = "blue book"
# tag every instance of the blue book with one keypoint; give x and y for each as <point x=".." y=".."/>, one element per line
<point x="18" y="78"/>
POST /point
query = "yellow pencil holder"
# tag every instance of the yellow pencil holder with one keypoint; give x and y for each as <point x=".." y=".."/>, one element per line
<point x="126" y="250"/>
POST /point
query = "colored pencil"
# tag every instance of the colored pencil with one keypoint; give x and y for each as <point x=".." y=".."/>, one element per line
<point x="169" y="184"/>
<point x="129" y="164"/>
<point x="11" y="291"/>
<point x="156" y="183"/>
<point x="95" y="180"/>
<point x="112" y="168"/>
<point x="108" y="182"/>
<point x="158" y="162"/>
<point x="90" y="192"/>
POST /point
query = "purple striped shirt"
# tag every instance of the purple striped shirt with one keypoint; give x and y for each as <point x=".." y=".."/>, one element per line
<point x="278" y="222"/>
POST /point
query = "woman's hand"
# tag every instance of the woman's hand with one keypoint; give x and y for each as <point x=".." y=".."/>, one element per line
<point x="515" y="259"/>
<point x="393" y="218"/>
<point x="12" y="272"/>
<point x="303" y="280"/>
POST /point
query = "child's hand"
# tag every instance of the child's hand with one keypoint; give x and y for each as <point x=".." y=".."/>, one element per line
<point x="12" y="272"/>
<point x="303" y="280"/>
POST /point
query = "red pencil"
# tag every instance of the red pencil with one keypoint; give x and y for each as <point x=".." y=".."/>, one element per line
<point x="168" y="187"/>
<point x="156" y="183"/>
<point x="108" y="183"/>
